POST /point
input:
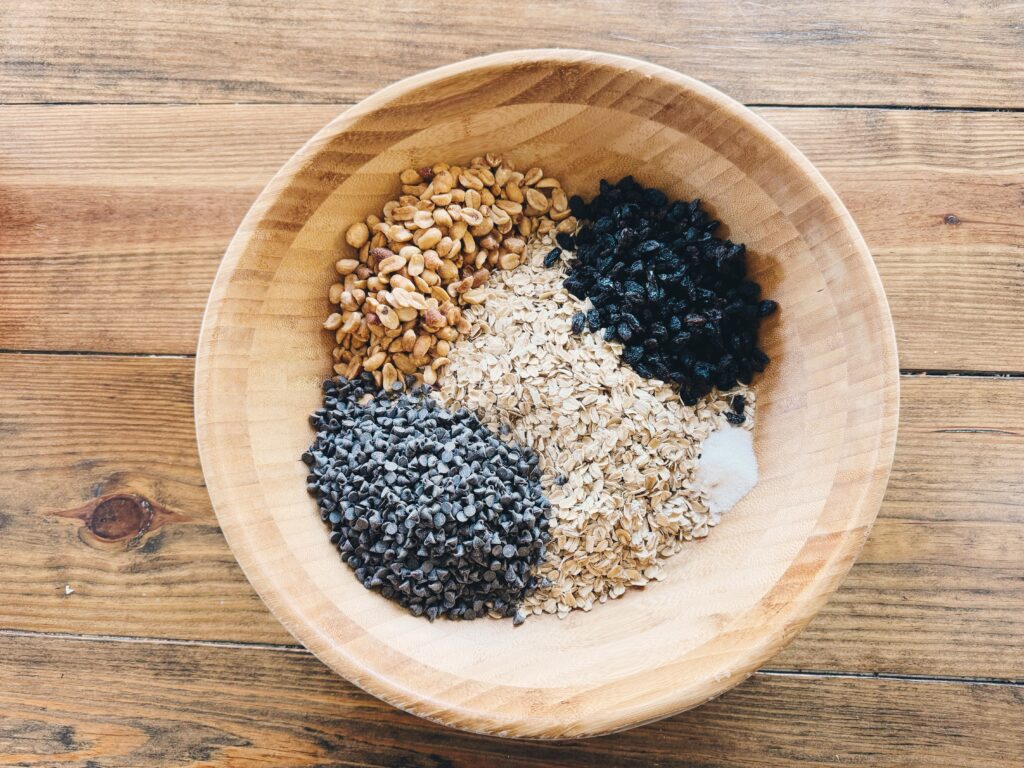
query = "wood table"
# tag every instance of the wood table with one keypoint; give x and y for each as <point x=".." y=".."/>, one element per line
<point x="133" y="136"/>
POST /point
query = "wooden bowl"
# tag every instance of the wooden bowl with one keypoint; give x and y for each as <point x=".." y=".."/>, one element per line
<point x="827" y="407"/>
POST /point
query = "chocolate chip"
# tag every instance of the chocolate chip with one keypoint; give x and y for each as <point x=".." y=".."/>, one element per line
<point x="409" y="524"/>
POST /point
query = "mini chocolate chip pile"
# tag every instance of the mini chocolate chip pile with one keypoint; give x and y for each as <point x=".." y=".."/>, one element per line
<point x="481" y="452"/>
<point x="426" y="505"/>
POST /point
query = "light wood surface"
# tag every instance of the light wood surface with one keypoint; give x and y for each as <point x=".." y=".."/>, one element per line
<point x="826" y="418"/>
<point x="147" y="195"/>
<point x="78" y="431"/>
<point x="933" y="592"/>
<point x="153" y="194"/>
<point x="825" y="52"/>
<point x="167" y="704"/>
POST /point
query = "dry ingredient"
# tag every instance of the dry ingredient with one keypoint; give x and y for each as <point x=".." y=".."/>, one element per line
<point x="427" y="506"/>
<point x="727" y="469"/>
<point x="601" y="470"/>
<point x="618" y="451"/>
<point x="737" y="416"/>
<point x="677" y="297"/>
<point x="412" y="270"/>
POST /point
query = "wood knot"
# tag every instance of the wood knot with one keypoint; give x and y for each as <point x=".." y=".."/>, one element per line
<point x="121" y="520"/>
<point x="120" y="517"/>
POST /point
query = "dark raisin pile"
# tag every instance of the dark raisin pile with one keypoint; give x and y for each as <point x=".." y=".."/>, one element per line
<point x="663" y="285"/>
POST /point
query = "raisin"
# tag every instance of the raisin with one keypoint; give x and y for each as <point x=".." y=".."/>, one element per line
<point x="625" y="237"/>
<point x="703" y="295"/>
<point x="566" y="241"/>
<point x="655" y="198"/>
<point x="687" y="395"/>
<point x="632" y="322"/>
<point x="725" y="378"/>
<point x="552" y="258"/>
<point x="578" y="321"/>
<point x="748" y="290"/>
<point x="632" y="354"/>
<point x="676" y="296"/>
<point x="759" y="360"/>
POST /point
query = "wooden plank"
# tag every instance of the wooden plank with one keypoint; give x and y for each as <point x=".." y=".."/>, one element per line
<point x="828" y="52"/>
<point x="149" y="197"/>
<point x="939" y="198"/>
<point x="69" y="702"/>
<point x="77" y="431"/>
<point x="109" y="197"/>
<point x="938" y="586"/>
<point x="937" y="590"/>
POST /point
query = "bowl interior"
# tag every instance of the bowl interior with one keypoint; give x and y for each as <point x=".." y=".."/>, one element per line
<point x="826" y="407"/>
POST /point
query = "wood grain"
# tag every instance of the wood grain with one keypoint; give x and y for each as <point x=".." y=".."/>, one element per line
<point x="940" y="199"/>
<point x="828" y="52"/>
<point x="936" y="591"/>
<point x="150" y="197"/>
<point x="938" y="587"/>
<point x="76" y="431"/>
<point x="147" y="203"/>
<point x="70" y="702"/>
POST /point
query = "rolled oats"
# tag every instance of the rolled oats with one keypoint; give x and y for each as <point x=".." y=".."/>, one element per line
<point x="618" y="451"/>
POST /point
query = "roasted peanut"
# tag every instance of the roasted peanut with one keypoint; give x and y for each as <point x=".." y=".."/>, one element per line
<point x="357" y="234"/>
<point x="431" y="250"/>
<point x="422" y="345"/>
<point x="346" y="266"/>
<point x="508" y="260"/>
<point x="392" y="263"/>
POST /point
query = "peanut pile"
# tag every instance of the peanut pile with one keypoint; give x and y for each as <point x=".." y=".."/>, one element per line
<point x="401" y="292"/>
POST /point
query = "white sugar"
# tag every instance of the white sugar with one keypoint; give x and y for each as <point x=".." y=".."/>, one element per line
<point x="727" y="470"/>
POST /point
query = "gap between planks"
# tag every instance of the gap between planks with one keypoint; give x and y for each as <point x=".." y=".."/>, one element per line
<point x="298" y="649"/>
<point x="96" y="353"/>
<point x="347" y="104"/>
<point x="932" y="372"/>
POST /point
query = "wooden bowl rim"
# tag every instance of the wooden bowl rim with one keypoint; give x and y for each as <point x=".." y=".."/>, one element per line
<point x="799" y="609"/>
